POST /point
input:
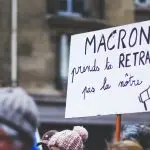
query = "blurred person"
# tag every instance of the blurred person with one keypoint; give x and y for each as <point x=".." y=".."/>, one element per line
<point x="69" y="139"/>
<point x="137" y="132"/>
<point x="125" y="145"/>
<point x="18" y="119"/>
<point x="45" y="138"/>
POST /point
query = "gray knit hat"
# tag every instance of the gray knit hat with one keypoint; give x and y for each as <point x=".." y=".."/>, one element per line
<point x="18" y="111"/>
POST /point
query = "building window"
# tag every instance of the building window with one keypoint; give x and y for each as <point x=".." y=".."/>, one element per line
<point x="63" y="61"/>
<point x="64" y="56"/>
<point x="142" y="3"/>
<point x="71" y="7"/>
<point x="67" y="7"/>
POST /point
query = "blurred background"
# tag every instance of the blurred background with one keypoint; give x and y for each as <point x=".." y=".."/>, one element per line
<point x="36" y="33"/>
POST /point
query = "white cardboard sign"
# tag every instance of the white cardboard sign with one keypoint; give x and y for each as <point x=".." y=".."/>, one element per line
<point x="109" y="71"/>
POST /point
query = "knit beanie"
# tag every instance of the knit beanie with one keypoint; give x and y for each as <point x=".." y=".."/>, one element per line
<point x="19" y="111"/>
<point x="69" y="139"/>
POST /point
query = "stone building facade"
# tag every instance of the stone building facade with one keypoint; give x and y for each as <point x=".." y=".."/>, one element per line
<point x="39" y="27"/>
<point x="41" y="24"/>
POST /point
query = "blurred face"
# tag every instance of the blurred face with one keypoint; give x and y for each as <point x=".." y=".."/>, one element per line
<point x="9" y="143"/>
<point x="45" y="147"/>
<point x="5" y="145"/>
<point x="55" y="148"/>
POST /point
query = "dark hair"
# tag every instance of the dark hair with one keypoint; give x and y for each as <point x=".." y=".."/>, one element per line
<point x="137" y="132"/>
<point x="48" y="134"/>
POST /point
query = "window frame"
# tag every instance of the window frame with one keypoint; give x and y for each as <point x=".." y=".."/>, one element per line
<point x="61" y="83"/>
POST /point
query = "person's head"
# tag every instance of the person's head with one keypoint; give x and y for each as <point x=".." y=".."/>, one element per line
<point x="18" y="119"/>
<point x="69" y="139"/>
<point x="45" y="138"/>
<point x="125" y="145"/>
<point x="137" y="132"/>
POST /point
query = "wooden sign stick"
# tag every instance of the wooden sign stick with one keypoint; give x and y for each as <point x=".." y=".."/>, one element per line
<point x="118" y="127"/>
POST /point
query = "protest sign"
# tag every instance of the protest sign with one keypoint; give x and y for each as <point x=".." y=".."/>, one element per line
<point x="109" y="71"/>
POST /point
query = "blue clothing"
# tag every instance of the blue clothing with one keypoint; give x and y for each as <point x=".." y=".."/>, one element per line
<point x="34" y="145"/>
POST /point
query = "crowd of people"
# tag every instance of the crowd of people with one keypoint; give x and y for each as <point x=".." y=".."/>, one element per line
<point x="19" y="121"/>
